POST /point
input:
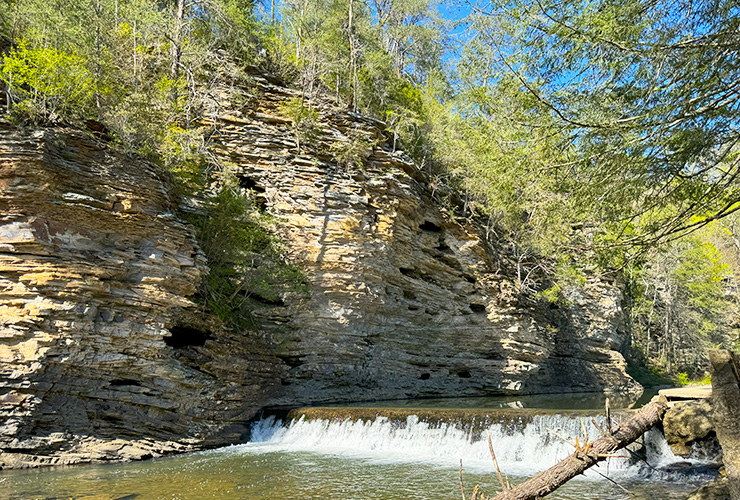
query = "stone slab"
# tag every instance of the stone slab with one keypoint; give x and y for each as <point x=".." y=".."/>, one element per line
<point x="688" y="392"/>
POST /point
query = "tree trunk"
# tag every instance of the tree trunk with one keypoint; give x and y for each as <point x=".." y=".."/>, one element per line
<point x="176" y="41"/>
<point x="548" y="481"/>
<point x="352" y="58"/>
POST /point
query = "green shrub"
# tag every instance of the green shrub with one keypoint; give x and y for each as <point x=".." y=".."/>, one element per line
<point x="351" y="153"/>
<point x="706" y="380"/>
<point x="184" y="153"/>
<point x="305" y="120"/>
<point x="566" y="275"/>
<point x="681" y="379"/>
<point x="45" y="84"/>
<point x="245" y="260"/>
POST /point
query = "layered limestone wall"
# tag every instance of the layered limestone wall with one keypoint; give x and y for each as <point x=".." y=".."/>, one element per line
<point x="104" y="355"/>
<point x="100" y="352"/>
<point x="404" y="302"/>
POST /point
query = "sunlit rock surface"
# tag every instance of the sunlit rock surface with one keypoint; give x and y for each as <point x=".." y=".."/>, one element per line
<point x="726" y="413"/>
<point x="688" y="427"/>
<point x="103" y="354"/>
<point x="404" y="302"/>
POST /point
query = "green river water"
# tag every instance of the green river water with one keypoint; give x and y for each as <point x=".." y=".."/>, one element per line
<point x="346" y="461"/>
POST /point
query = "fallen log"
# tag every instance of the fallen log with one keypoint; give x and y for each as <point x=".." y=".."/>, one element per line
<point x="548" y="481"/>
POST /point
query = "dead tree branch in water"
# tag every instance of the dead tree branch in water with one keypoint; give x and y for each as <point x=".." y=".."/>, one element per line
<point x="590" y="454"/>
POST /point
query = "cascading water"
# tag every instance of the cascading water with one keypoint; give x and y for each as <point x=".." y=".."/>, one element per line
<point x="414" y="454"/>
<point x="522" y="448"/>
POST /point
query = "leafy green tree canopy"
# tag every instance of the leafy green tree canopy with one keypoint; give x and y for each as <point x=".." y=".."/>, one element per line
<point x="644" y="95"/>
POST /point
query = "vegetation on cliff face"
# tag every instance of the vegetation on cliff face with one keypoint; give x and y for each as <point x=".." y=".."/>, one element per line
<point x="244" y="259"/>
<point x="600" y="134"/>
<point x="139" y="73"/>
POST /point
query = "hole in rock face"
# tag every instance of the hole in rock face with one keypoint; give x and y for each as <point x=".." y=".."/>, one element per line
<point x="424" y="376"/>
<point x="478" y="308"/>
<point x="430" y="226"/>
<point x="291" y="360"/>
<point x="258" y="200"/>
<point x="268" y="301"/>
<point x="445" y="248"/>
<point x="249" y="183"/>
<point x="185" y="336"/>
<point x="124" y="381"/>
<point x="464" y="374"/>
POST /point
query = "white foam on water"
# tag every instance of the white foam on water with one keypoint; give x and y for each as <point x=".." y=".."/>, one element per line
<point x="522" y="448"/>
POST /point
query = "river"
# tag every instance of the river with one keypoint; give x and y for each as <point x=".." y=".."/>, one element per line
<point x="380" y="459"/>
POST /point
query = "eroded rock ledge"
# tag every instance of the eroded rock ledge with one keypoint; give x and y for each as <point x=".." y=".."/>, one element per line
<point x="103" y="355"/>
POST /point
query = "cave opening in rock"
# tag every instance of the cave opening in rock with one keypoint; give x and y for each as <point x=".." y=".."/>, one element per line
<point x="293" y="361"/>
<point x="257" y="192"/>
<point x="251" y="184"/>
<point x="124" y="382"/>
<point x="478" y="308"/>
<point x="185" y="336"/>
<point x="430" y="226"/>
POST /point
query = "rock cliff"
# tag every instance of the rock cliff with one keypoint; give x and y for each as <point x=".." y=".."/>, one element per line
<point x="101" y="355"/>
<point x="104" y="355"/>
<point x="404" y="301"/>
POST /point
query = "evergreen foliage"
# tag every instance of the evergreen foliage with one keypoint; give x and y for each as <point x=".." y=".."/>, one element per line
<point x="644" y="97"/>
<point x="245" y="260"/>
<point x="680" y="308"/>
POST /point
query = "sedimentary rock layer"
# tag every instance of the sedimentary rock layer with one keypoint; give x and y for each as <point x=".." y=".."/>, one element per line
<point x="101" y="355"/>
<point x="405" y="300"/>
<point x="104" y="354"/>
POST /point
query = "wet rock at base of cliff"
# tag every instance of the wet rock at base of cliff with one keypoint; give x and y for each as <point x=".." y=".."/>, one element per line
<point x="717" y="489"/>
<point x="688" y="425"/>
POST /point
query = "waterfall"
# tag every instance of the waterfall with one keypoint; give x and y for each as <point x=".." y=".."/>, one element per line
<point x="523" y="447"/>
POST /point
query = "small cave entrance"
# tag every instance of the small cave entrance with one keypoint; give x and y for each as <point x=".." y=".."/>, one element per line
<point x="186" y="336"/>
<point x="119" y="382"/>
<point x="258" y="192"/>
<point x="293" y="361"/>
<point x="430" y="226"/>
<point x="445" y="248"/>
<point x="478" y="308"/>
<point x="249" y="183"/>
<point x="278" y="302"/>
